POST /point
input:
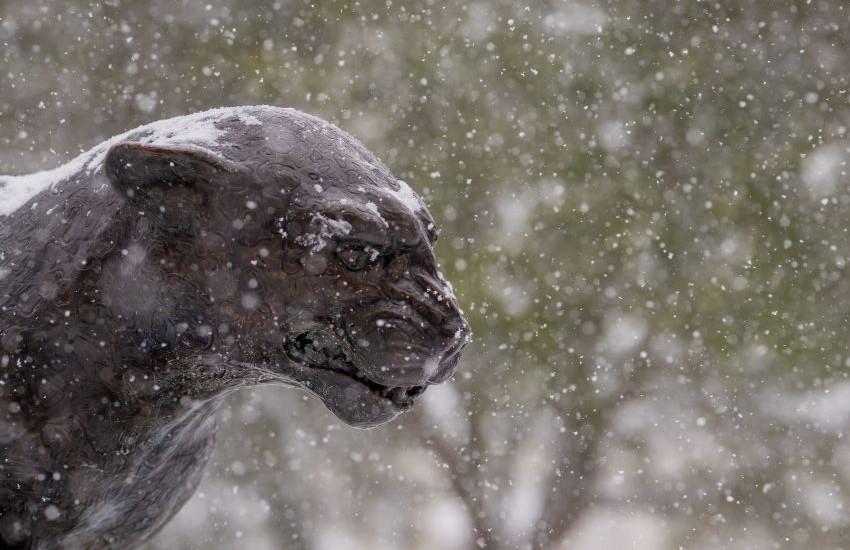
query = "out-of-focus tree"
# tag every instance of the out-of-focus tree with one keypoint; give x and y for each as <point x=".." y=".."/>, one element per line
<point x="643" y="209"/>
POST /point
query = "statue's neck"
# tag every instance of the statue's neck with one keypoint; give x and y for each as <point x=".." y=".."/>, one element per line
<point x="97" y="396"/>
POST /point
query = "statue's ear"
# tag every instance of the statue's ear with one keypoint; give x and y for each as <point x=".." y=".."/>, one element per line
<point x="146" y="173"/>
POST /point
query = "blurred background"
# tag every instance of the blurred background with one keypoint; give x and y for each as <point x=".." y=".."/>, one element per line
<point x="643" y="208"/>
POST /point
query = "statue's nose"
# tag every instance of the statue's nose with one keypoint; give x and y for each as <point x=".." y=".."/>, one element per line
<point x="455" y="326"/>
<point x="458" y="333"/>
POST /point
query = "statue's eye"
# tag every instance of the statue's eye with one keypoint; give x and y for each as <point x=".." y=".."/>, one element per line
<point x="357" y="257"/>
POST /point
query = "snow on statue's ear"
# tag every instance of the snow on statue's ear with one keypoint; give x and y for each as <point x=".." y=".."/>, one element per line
<point x="162" y="177"/>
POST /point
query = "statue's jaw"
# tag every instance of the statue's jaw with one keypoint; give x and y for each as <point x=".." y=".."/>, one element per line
<point x="354" y="399"/>
<point x="322" y="367"/>
<point x="357" y="402"/>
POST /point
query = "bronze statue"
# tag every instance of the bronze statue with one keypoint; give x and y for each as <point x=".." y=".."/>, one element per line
<point x="150" y="277"/>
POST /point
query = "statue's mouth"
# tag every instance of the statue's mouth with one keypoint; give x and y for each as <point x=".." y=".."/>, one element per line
<point x="318" y="349"/>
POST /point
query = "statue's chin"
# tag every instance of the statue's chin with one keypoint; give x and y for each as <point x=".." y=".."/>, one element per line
<point x="319" y="360"/>
<point x="353" y="401"/>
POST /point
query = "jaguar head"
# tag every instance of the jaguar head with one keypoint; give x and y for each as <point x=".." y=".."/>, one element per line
<point x="302" y="256"/>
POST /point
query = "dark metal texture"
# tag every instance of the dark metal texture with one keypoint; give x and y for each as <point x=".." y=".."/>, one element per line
<point x="178" y="265"/>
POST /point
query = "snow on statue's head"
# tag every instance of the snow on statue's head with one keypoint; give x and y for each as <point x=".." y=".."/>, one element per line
<point x="277" y="245"/>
